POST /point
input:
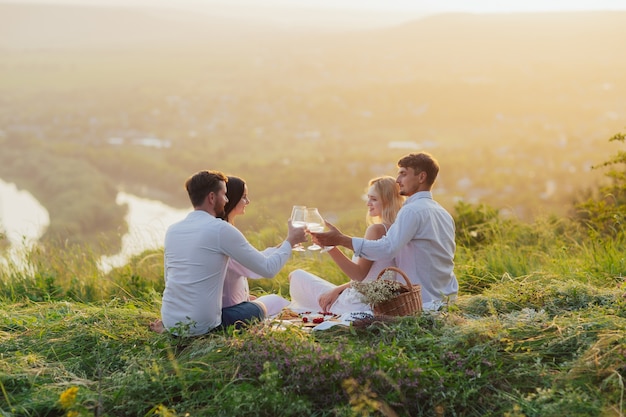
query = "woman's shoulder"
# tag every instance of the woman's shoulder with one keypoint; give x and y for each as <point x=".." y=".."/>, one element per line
<point x="375" y="231"/>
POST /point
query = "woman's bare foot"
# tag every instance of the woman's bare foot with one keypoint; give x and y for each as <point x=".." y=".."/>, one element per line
<point x="157" y="326"/>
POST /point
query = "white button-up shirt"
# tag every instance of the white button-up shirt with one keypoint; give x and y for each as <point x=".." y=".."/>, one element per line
<point x="197" y="251"/>
<point x="422" y="241"/>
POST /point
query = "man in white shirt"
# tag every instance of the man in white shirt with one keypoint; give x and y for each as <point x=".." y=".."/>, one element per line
<point x="197" y="252"/>
<point x="422" y="238"/>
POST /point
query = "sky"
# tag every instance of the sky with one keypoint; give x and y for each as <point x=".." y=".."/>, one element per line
<point x="343" y="14"/>
<point x="478" y="6"/>
<point x="420" y="6"/>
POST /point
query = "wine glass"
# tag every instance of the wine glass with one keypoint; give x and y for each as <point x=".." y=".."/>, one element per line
<point x="298" y="220"/>
<point x="315" y="223"/>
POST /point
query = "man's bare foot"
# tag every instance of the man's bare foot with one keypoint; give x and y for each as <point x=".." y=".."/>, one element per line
<point x="157" y="326"/>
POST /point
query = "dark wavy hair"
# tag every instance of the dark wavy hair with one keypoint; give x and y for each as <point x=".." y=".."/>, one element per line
<point x="203" y="183"/>
<point x="422" y="161"/>
<point x="234" y="192"/>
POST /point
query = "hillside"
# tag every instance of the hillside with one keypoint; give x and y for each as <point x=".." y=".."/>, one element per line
<point x="538" y="330"/>
<point x="517" y="108"/>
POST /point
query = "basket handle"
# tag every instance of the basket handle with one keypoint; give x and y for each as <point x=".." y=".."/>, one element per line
<point x="399" y="271"/>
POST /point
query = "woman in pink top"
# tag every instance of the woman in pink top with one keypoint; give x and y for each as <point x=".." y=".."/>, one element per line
<point x="236" y="289"/>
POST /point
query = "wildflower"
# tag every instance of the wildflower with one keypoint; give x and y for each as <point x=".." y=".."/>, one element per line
<point x="68" y="397"/>
<point x="374" y="292"/>
<point x="163" y="411"/>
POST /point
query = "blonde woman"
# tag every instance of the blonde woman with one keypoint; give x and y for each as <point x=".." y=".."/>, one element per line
<point x="312" y="293"/>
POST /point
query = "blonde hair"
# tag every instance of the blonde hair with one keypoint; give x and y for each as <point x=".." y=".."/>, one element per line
<point x="389" y="194"/>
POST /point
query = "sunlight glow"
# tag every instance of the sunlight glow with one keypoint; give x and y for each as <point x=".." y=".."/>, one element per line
<point x="418" y="6"/>
<point x="476" y="6"/>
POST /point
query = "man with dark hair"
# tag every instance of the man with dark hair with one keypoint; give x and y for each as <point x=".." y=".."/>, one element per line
<point x="197" y="252"/>
<point x="421" y="238"/>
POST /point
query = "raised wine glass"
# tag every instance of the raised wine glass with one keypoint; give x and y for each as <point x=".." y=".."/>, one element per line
<point x="298" y="220"/>
<point x="315" y="223"/>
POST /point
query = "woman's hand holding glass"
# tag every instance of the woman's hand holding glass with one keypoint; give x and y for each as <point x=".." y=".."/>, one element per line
<point x="310" y="219"/>
<point x="298" y="220"/>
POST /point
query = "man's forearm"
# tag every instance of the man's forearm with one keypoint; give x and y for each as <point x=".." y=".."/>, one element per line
<point x="346" y="242"/>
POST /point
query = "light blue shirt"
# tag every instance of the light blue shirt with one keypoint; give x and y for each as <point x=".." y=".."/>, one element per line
<point x="197" y="252"/>
<point x="422" y="241"/>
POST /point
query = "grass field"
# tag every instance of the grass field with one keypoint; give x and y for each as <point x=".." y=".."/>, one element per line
<point x="538" y="330"/>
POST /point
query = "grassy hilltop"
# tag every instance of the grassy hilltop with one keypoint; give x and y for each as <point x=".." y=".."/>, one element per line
<point x="517" y="109"/>
<point x="539" y="330"/>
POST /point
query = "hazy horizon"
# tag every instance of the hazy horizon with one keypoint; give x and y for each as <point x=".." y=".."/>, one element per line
<point x="344" y="14"/>
<point x="421" y="6"/>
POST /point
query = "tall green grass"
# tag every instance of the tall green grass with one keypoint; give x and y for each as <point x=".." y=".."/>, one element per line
<point x="539" y="329"/>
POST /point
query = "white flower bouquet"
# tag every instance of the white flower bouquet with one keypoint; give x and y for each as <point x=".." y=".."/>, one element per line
<point x="389" y="297"/>
<point x="375" y="292"/>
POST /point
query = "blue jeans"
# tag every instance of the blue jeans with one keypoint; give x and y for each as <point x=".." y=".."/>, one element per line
<point x="241" y="314"/>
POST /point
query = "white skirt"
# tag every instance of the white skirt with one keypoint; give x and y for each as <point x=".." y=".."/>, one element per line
<point x="305" y="290"/>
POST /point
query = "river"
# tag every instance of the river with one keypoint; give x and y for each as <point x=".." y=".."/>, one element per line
<point x="24" y="220"/>
<point x="147" y="222"/>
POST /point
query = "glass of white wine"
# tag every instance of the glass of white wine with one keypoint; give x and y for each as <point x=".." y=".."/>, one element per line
<point x="298" y="220"/>
<point x="315" y="223"/>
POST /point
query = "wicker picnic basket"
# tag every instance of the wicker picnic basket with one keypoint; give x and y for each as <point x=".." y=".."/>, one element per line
<point x="409" y="300"/>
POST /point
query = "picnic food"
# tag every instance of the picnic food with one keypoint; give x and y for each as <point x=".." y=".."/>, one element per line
<point x="287" y="314"/>
<point x="316" y="318"/>
<point x="307" y="318"/>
